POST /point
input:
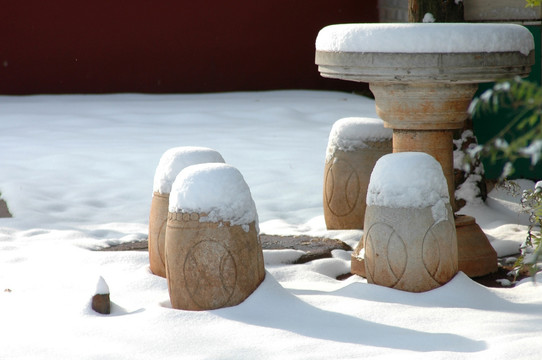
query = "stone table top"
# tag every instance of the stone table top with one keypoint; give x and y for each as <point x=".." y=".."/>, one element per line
<point x="464" y="53"/>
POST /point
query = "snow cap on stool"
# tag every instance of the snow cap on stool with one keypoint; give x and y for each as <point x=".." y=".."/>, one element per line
<point x="176" y="159"/>
<point x="218" y="190"/>
<point x="352" y="133"/>
<point x="407" y="180"/>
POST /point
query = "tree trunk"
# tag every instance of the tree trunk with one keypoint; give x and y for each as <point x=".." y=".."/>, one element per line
<point x="442" y="10"/>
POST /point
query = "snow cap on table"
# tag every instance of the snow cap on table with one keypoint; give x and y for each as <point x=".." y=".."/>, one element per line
<point x="407" y="180"/>
<point x="351" y="133"/>
<point x="219" y="190"/>
<point x="176" y="159"/>
<point x="425" y="38"/>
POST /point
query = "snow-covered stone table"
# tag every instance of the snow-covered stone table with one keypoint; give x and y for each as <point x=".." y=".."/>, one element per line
<point x="423" y="77"/>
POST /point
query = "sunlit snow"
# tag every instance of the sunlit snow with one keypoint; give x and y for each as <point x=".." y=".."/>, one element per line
<point x="77" y="174"/>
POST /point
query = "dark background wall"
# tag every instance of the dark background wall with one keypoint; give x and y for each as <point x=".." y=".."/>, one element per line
<point x="164" y="46"/>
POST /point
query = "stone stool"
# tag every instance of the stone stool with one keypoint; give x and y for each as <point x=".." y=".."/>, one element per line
<point x="171" y="163"/>
<point x="354" y="146"/>
<point x="214" y="256"/>
<point x="410" y="238"/>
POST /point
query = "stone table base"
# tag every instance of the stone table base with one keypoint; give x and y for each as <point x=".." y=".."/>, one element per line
<point x="476" y="255"/>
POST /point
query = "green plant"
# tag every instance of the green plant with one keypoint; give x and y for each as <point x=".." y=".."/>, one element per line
<point x="521" y="102"/>
<point x="532" y="3"/>
<point x="531" y="201"/>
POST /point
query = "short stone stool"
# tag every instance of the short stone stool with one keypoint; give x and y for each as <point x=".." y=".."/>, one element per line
<point x="214" y="256"/>
<point x="354" y="146"/>
<point x="170" y="164"/>
<point x="410" y="238"/>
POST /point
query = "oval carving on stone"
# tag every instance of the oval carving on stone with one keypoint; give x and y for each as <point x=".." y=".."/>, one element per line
<point x="397" y="255"/>
<point x="342" y="187"/>
<point x="386" y="255"/>
<point x="437" y="252"/>
<point x="210" y="274"/>
<point x="160" y="243"/>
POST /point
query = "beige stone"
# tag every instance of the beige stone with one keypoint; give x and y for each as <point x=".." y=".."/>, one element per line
<point x="409" y="238"/>
<point x="210" y="265"/>
<point x="171" y="163"/>
<point x="346" y="176"/>
<point x="157" y="233"/>
<point x="357" y="260"/>
<point x="407" y="249"/>
<point x="476" y="255"/>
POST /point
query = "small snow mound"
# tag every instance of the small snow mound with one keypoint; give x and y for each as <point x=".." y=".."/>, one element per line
<point x="428" y="18"/>
<point x="219" y="190"/>
<point x="176" y="159"/>
<point x="285" y="256"/>
<point x="407" y="180"/>
<point x="504" y="282"/>
<point x="101" y="287"/>
<point x="349" y="134"/>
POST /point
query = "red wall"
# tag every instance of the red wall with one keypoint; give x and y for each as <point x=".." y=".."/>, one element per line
<point x="162" y="46"/>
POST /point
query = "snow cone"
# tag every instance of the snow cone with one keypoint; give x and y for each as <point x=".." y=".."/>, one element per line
<point x="410" y="238"/>
<point x="170" y="164"/>
<point x="214" y="256"/>
<point x="354" y="146"/>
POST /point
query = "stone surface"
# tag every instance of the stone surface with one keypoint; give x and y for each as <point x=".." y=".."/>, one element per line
<point x="157" y="233"/>
<point x="475" y="67"/>
<point x="423" y="106"/>
<point x="436" y="143"/>
<point x="357" y="260"/>
<point x="476" y="255"/>
<point x="406" y="249"/>
<point x="314" y="247"/>
<point x="101" y="303"/>
<point x="210" y="265"/>
<point x="4" y="211"/>
<point x="346" y="177"/>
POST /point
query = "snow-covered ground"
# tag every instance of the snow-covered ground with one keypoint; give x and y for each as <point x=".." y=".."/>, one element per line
<point x="77" y="173"/>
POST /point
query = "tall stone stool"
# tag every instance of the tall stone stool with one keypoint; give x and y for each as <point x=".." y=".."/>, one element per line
<point x="354" y="146"/>
<point x="410" y="238"/>
<point x="214" y="256"/>
<point x="170" y="164"/>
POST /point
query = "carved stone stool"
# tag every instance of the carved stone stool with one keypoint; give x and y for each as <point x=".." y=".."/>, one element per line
<point x="214" y="257"/>
<point x="410" y="238"/>
<point x="171" y="163"/>
<point x="354" y="146"/>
